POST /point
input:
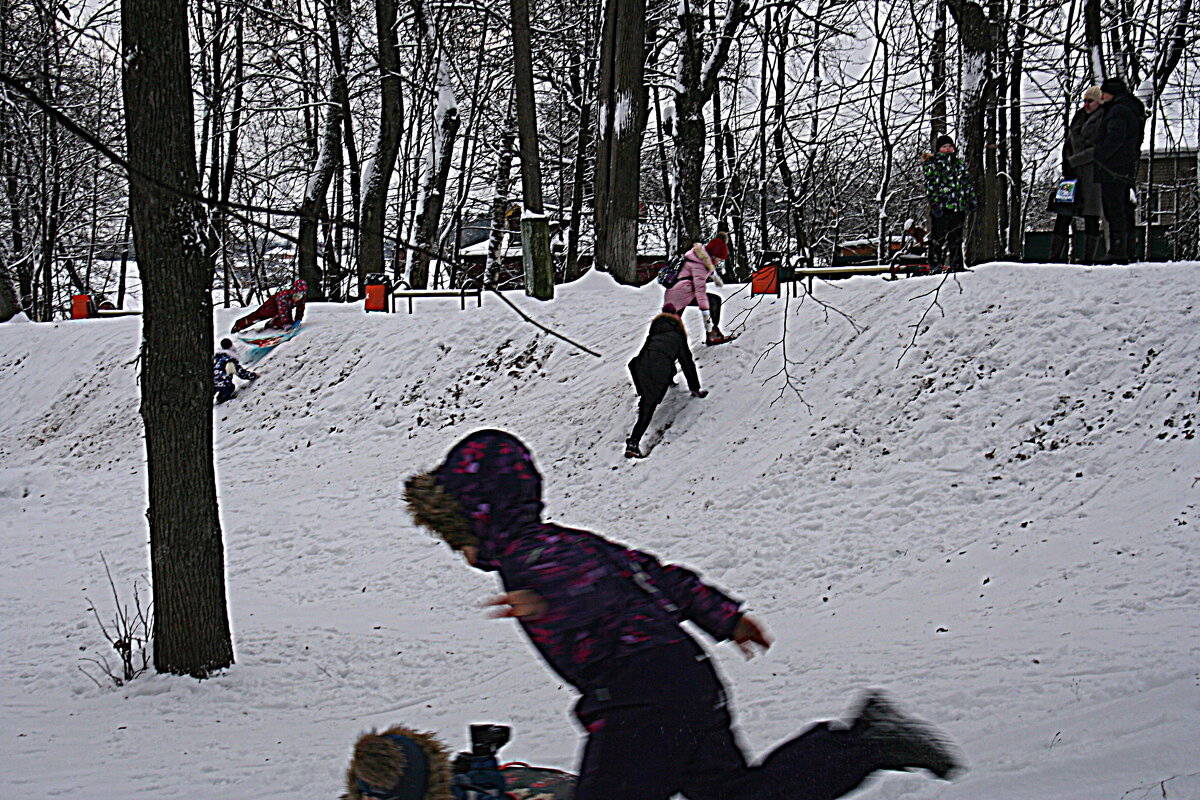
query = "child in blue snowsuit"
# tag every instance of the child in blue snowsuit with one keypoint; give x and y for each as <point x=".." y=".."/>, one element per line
<point x="225" y="366"/>
<point x="606" y="618"/>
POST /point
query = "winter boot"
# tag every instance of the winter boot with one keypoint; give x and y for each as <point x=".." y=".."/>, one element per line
<point x="715" y="337"/>
<point x="900" y="742"/>
<point x="1058" y="248"/>
<point x="1091" y="246"/>
<point x="1118" y="249"/>
<point x="632" y="450"/>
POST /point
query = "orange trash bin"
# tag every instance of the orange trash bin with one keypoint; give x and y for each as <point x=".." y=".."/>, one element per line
<point x="82" y="306"/>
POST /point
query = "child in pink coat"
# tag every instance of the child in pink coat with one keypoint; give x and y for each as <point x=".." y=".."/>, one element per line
<point x="699" y="267"/>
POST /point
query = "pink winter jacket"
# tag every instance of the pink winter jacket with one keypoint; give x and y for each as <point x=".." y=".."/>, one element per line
<point x="694" y="275"/>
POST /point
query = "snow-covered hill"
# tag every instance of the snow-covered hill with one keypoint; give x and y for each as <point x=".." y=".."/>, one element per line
<point x="996" y="522"/>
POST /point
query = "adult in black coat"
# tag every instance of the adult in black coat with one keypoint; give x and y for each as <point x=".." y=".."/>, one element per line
<point x="653" y="371"/>
<point x="1078" y="157"/>
<point x="1117" y="150"/>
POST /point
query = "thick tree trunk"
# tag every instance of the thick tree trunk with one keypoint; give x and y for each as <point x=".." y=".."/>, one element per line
<point x="581" y="81"/>
<point x="441" y="153"/>
<point x="10" y="306"/>
<point x="697" y="82"/>
<point x="978" y="36"/>
<point x="1016" y="161"/>
<point x="1094" y="39"/>
<point x="430" y="218"/>
<point x="329" y="152"/>
<point x="535" y="231"/>
<point x="391" y="130"/>
<point x="622" y="100"/>
<point x="191" y="623"/>
<point x="937" y="108"/>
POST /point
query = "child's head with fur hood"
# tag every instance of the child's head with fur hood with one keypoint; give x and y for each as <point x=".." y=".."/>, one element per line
<point x="380" y="767"/>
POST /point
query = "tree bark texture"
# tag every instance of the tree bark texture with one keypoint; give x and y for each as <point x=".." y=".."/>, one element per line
<point x="937" y="58"/>
<point x="500" y="206"/>
<point x="535" y="232"/>
<point x="191" y="623"/>
<point x="697" y="82"/>
<point x="622" y="100"/>
<point x="387" y="147"/>
<point x="329" y="153"/>
<point x="441" y="153"/>
<point x="979" y="41"/>
<point x="429" y="220"/>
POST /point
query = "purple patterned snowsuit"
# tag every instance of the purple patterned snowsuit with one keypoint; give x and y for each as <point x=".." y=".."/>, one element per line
<point x="653" y="705"/>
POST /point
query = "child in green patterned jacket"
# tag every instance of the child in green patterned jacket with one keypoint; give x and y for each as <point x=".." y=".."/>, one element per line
<point x="951" y="194"/>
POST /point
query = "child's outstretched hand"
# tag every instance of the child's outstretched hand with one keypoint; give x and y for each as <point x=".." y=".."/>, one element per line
<point x="748" y="634"/>
<point x="521" y="603"/>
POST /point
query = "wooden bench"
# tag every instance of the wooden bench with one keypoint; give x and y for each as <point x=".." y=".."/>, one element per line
<point x="849" y="270"/>
<point x="462" y="294"/>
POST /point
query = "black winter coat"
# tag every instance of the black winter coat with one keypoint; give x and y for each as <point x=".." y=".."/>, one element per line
<point x="1079" y="162"/>
<point x="653" y="368"/>
<point x="1120" y="140"/>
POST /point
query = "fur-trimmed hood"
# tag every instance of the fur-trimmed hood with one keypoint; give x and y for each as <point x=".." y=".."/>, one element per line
<point x="665" y="322"/>
<point x="486" y="493"/>
<point x="379" y="763"/>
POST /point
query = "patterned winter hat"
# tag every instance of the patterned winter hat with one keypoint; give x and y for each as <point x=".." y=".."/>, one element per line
<point x="486" y="491"/>
<point x="300" y="286"/>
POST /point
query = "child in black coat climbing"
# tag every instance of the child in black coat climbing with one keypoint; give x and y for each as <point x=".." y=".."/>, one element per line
<point x="653" y="371"/>
<point x="225" y="366"/>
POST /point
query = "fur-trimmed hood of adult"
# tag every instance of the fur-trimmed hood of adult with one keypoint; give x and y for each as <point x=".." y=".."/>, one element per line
<point x="379" y="761"/>
<point x="665" y="322"/>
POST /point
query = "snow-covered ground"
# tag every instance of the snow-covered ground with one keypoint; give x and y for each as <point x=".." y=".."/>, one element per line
<point x="997" y="523"/>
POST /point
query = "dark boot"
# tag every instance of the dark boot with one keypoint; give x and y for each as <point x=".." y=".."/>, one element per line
<point x="1091" y="246"/>
<point x="1058" y="249"/>
<point x="899" y="742"/>
<point x="1118" y="249"/>
<point x="632" y="450"/>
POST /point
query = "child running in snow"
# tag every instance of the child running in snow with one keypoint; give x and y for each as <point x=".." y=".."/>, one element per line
<point x="225" y="366"/>
<point x="691" y="287"/>
<point x="653" y="371"/>
<point x="278" y="309"/>
<point x="606" y="618"/>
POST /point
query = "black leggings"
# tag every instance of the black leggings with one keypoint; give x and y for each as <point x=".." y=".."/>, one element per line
<point x="945" y="240"/>
<point x="714" y="308"/>
<point x="1062" y="225"/>
<point x="647" y="403"/>
<point x="660" y="726"/>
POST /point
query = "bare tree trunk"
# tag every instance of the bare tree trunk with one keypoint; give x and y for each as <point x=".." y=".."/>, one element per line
<point x="387" y="147"/>
<point x="697" y="82"/>
<point x="1016" y="161"/>
<point x="535" y="229"/>
<point x="500" y="205"/>
<point x="580" y="86"/>
<point x="622" y="99"/>
<point x="329" y="151"/>
<point x="937" y="109"/>
<point x="1094" y="38"/>
<point x="191" y="622"/>
<point x="441" y="155"/>
<point x="978" y="36"/>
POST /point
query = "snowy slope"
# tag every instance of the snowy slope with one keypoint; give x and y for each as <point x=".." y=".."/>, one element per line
<point x="996" y="522"/>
